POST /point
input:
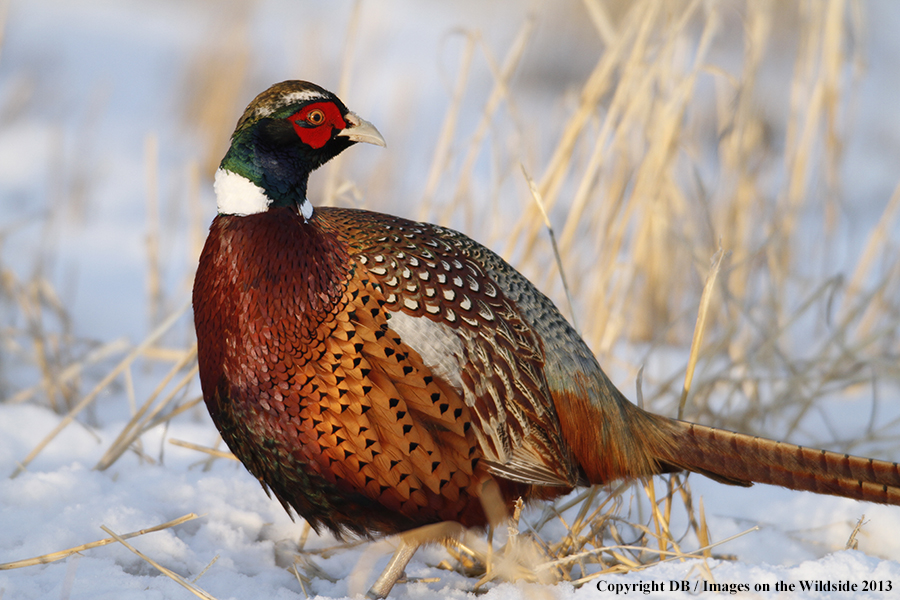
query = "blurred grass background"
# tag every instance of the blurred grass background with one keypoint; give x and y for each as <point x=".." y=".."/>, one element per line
<point x="657" y="132"/>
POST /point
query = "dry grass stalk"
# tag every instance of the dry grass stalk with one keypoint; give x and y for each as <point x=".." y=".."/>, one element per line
<point x="197" y="226"/>
<point x="71" y="372"/>
<point x="600" y="17"/>
<point x="200" y="593"/>
<point x="125" y="363"/>
<point x="214" y="82"/>
<point x="41" y="309"/>
<point x="43" y="352"/>
<point x="536" y="196"/>
<point x="705" y="299"/>
<point x="499" y="93"/>
<point x="4" y="12"/>
<point x="154" y="276"/>
<point x="204" y="449"/>
<point x="877" y="240"/>
<point x="205" y="569"/>
<point x="143" y="419"/>
<point x="55" y="556"/>
<point x="333" y="168"/>
<point x="302" y="580"/>
<point x="852" y="542"/>
<point x="703" y="532"/>
<point x="440" y="162"/>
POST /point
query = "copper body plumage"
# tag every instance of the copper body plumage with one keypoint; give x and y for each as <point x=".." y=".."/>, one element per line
<point x="376" y="373"/>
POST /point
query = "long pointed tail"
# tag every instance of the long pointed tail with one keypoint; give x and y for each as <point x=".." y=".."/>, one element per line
<point x="741" y="459"/>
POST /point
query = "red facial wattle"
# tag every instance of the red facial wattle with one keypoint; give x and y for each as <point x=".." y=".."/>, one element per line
<point x="316" y="122"/>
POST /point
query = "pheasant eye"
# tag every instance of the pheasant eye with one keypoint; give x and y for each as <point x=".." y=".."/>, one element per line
<point x="315" y="117"/>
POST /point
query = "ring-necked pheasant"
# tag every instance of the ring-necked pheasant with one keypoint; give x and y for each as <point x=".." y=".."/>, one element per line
<point x="375" y="373"/>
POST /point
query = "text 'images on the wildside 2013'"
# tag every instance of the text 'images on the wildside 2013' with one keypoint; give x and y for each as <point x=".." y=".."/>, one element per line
<point x="803" y="585"/>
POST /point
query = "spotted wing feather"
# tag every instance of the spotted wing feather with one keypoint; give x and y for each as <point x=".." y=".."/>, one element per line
<point x="439" y="292"/>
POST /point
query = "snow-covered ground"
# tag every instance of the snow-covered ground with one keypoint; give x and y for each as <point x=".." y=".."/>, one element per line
<point x="88" y="89"/>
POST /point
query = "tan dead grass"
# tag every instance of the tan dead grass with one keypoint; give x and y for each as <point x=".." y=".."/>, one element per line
<point x="55" y="556"/>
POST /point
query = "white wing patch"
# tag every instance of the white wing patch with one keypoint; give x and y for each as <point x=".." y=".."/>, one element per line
<point x="237" y="195"/>
<point x="440" y="348"/>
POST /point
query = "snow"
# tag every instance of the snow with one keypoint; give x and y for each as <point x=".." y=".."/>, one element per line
<point x="83" y="86"/>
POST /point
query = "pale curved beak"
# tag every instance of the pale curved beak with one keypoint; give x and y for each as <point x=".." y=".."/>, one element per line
<point x="360" y="130"/>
